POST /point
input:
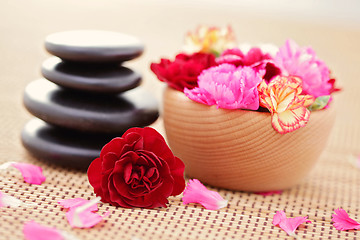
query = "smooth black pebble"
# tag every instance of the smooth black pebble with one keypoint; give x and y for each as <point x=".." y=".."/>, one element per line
<point x="61" y="146"/>
<point x="88" y="113"/>
<point x="94" y="46"/>
<point x="92" y="78"/>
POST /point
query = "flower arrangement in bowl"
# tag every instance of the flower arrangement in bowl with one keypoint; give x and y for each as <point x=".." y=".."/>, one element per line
<point x="254" y="120"/>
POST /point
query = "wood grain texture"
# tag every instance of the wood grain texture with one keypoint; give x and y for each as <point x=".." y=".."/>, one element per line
<point x="239" y="149"/>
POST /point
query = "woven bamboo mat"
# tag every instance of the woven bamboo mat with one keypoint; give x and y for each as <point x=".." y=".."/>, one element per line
<point x="333" y="183"/>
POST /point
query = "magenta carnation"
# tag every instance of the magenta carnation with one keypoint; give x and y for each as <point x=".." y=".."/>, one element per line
<point x="259" y="61"/>
<point x="302" y="62"/>
<point x="227" y="86"/>
<point x="237" y="57"/>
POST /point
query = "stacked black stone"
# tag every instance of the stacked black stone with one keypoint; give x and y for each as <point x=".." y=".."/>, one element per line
<point x="86" y="97"/>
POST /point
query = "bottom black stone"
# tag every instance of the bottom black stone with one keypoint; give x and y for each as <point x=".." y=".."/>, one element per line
<point x="62" y="146"/>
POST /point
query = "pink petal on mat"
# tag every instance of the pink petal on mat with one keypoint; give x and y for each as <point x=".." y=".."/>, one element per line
<point x="35" y="231"/>
<point x="31" y="173"/>
<point x="76" y="202"/>
<point x="354" y="160"/>
<point x="343" y="222"/>
<point x="85" y="219"/>
<point x="269" y="193"/>
<point x="83" y="216"/>
<point x="196" y="192"/>
<point x="9" y="201"/>
<point x="289" y="225"/>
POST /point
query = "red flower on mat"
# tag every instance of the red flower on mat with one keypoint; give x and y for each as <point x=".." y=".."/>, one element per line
<point x="343" y="222"/>
<point x="137" y="170"/>
<point x="184" y="70"/>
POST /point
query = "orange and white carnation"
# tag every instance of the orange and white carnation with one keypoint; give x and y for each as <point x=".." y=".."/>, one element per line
<point x="282" y="97"/>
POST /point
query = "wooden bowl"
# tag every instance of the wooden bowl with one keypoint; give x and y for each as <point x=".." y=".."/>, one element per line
<point x="239" y="149"/>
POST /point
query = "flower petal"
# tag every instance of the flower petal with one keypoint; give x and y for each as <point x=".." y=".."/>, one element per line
<point x="343" y="222"/>
<point x="77" y="202"/>
<point x="196" y="192"/>
<point x="35" y="231"/>
<point x="269" y="193"/>
<point x="303" y="62"/>
<point x="6" y="165"/>
<point x="354" y="160"/>
<point x="289" y="225"/>
<point x="9" y="201"/>
<point x="31" y="173"/>
<point x="290" y="120"/>
<point x="94" y="176"/>
<point x="278" y="217"/>
<point x="83" y="217"/>
<point x="286" y="102"/>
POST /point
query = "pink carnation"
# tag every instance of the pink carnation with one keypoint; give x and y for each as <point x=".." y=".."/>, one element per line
<point x="227" y="86"/>
<point x="302" y="62"/>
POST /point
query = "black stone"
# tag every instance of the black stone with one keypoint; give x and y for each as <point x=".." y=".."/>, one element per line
<point x="94" y="46"/>
<point x="92" y="78"/>
<point x="90" y="113"/>
<point x="61" y="146"/>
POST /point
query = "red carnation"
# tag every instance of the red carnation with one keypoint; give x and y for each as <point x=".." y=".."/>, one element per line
<point x="184" y="70"/>
<point x="137" y="170"/>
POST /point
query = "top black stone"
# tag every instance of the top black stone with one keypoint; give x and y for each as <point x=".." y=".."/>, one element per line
<point x="93" y="46"/>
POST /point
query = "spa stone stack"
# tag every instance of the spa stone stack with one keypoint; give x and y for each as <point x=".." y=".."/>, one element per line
<point x="86" y="97"/>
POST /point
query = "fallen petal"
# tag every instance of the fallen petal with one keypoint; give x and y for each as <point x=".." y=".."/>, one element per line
<point x="289" y="225"/>
<point x="35" y="231"/>
<point x="83" y="217"/>
<point x="9" y="201"/>
<point x="31" y="173"/>
<point x="196" y="192"/>
<point x="343" y="222"/>
<point x="354" y="160"/>
<point x="270" y="193"/>
<point x="76" y="202"/>
<point x="278" y="217"/>
<point x="6" y="165"/>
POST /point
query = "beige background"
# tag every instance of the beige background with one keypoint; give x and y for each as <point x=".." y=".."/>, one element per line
<point x="334" y="32"/>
